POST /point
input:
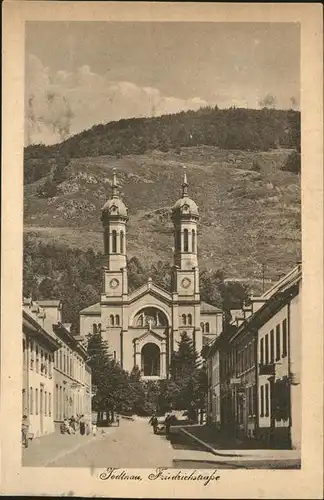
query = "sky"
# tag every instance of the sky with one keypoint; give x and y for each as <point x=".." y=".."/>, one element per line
<point x="79" y="74"/>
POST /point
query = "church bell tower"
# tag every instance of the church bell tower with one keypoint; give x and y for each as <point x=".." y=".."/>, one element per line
<point x="114" y="216"/>
<point x="185" y="218"/>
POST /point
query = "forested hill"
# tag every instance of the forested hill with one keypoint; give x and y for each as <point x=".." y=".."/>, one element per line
<point x="234" y="128"/>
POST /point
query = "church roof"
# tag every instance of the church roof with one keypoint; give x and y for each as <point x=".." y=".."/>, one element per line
<point x="208" y="308"/>
<point x="114" y="207"/>
<point x="185" y="205"/>
<point x="95" y="309"/>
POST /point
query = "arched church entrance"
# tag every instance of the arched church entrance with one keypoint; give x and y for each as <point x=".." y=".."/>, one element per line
<point x="150" y="357"/>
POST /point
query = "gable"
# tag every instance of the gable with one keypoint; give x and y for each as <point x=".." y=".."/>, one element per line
<point x="152" y="290"/>
<point x="150" y="333"/>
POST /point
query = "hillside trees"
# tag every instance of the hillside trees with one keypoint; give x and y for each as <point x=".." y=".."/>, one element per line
<point x="233" y="128"/>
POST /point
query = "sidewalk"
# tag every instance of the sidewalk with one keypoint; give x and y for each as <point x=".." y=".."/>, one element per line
<point x="242" y="455"/>
<point x="44" y="450"/>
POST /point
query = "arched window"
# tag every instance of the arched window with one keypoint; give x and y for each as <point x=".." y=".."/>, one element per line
<point x="117" y="320"/>
<point x="177" y="240"/>
<point x="94" y="328"/>
<point x="150" y="360"/>
<point x="99" y="327"/>
<point x="106" y="241"/>
<point x="184" y="319"/>
<point x="202" y="326"/>
<point x="189" y="319"/>
<point x="114" y="241"/>
<point x="207" y="327"/>
<point x="185" y="241"/>
<point x="121" y="241"/>
<point x="112" y="320"/>
<point x="193" y="242"/>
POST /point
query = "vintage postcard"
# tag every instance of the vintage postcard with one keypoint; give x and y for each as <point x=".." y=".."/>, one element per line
<point x="162" y="250"/>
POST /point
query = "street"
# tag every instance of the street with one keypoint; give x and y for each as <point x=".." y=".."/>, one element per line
<point x="131" y="445"/>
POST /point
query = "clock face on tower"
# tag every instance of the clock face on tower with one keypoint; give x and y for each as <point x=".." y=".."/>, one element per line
<point x="114" y="283"/>
<point x="185" y="283"/>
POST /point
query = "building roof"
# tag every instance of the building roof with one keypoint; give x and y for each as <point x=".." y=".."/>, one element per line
<point x="95" y="309"/>
<point x="185" y="205"/>
<point x="49" y="303"/>
<point x="208" y="308"/>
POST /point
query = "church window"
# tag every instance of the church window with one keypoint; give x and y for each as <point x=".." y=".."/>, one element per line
<point x="207" y="327"/>
<point x="112" y="320"/>
<point x="189" y="319"/>
<point x="99" y="327"/>
<point x="184" y="319"/>
<point x="121" y="241"/>
<point x="150" y="360"/>
<point x="185" y="241"/>
<point x="106" y="242"/>
<point x="150" y="317"/>
<point x="193" y="241"/>
<point x="202" y="326"/>
<point x="117" y="320"/>
<point x="177" y="240"/>
<point x="94" y="328"/>
<point x="114" y="241"/>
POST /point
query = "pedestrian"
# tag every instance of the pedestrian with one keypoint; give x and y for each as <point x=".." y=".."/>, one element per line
<point x="82" y="425"/>
<point x="72" y="424"/>
<point x="25" y="430"/>
<point x="94" y="428"/>
<point x="117" y="420"/>
<point x="154" y="422"/>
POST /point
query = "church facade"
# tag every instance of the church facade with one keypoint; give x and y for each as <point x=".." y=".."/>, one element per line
<point x="143" y="327"/>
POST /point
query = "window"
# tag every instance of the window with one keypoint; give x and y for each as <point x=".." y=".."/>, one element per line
<point x="24" y="353"/>
<point x="94" y="328"/>
<point x="99" y="327"/>
<point x="267" y="400"/>
<point x="250" y="393"/>
<point x="267" y="349"/>
<point x="114" y="241"/>
<point x="202" y="326"/>
<point x="184" y="319"/>
<point x="112" y="320"/>
<point x="106" y="241"/>
<point x="206" y="327"/>
<point x="49" y="404"/>
<point x="117" y="320"/>
<point x="64" y="363"/>
<point x="262" y="351"/>
<point x="177" y="243"/>
<point x="36" y="401"/>
<point x="284" y="338"/>
<point x="115" y="357"/>
<point x="193" y="241"/>
<point x="271" y="346"/>
<point x="56" y="402"/>
<point x="61" y="363"/>
<point x="121" y="242"/>
<point x="31" y="348"/>
<point x="31" y="401"/>
<point x="45" y="404"/>
<point x="42" y="362"/>
<point x="185" y="241"/>
<point x="46" y="364"/>
<point x="189" y="319"/>
<point x="24" y="400"/>
<point x="262" y="401"/>
<point x="277" y="342"/>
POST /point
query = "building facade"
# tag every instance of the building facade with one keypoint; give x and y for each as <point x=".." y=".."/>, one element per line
<point x="58" y="383"/>
<point x="258" y="360"/>
<point x="39" y="347"/>
<point x="143" y="327"/>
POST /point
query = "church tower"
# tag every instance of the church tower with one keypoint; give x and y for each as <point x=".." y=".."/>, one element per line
<point x="185" y="218"/>
<point x="114" y="216"/>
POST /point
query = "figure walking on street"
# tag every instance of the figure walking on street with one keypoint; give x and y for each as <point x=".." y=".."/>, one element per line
<point x="24" y="430"/>
<point x="154" y="422"/>
<point x="82" y="425"/>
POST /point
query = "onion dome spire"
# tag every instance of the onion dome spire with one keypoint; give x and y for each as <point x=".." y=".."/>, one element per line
<point x="114" y="184"/>
<point x="185" y="183"/>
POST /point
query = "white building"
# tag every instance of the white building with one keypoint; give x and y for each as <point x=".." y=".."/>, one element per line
<point x="39" y="346"/>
